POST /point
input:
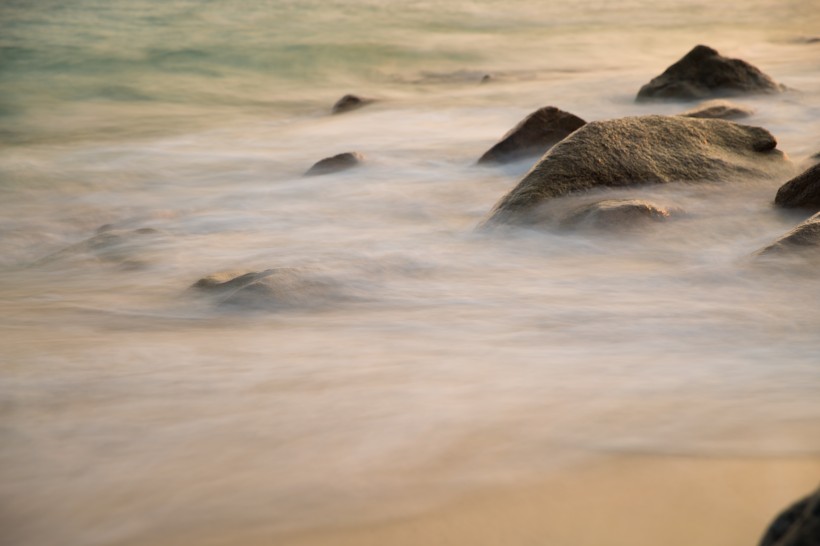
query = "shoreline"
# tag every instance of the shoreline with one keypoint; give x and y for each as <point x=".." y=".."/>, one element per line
<point x="624" y="500"/>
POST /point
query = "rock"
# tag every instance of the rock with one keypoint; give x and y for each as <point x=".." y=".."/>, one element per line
<point x="118" y="246"/>
<point x="718" y="109"/>
<point x="616" y="214"/>
<point x="798" y="525"/>
<point x="271" y="289"/>
<point x="802" y="191"/>
<point x="348" y="103"/>
<point x="486" y="78"/>
<point x="337" y="163"/>
<point x="803" y="240"/>
<point x="642" y="150"/>
<point x="702" y="73"/>
<point x="533" y="135"/>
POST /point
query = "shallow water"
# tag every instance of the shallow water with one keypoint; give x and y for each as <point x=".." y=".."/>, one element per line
<point x="445" y="358"/>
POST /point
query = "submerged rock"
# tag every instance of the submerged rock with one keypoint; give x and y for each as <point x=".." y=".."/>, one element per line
<point x="271" y="289"/>
<point x="348" y="103"/>
<point x="797" y="525"/>
<point x="616" y="214"/>
<point x="337" y="163"/>
<point x="702" y="73"/>
<point x="118" y="246"/>
<point x="642" y="150"/>
<point x="802" y="240"/>
<point x="533" y="135"/>
<point x="718" y="109"/>
<point x="802" y="191"/>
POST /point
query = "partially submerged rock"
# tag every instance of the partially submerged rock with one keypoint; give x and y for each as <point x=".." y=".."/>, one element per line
<point x="702" y="73"/>
<point x="271" y="289"/>
<point x="642" y="150"/>
<point x="337" y="163"/>
<point x="533" y="135"/>
<point x="802" y="240"/>
<point x="350" y="102"/>
<point x="797" y="525"/>
<point x="616" y="214"/>
<point x="802" y="191"/>
<point x="122" y="247"/>
<point x="718" y="109"/>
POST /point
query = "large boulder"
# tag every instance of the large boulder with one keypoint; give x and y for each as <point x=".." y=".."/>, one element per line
<point x="798" y="525"/>
<point x="270" y="290"/>
<point x="703" y="72"/>
<point x="802" y="191"/>
<point x="336" y="163"/>
<point x="642" y="150"/>
<point x="534" y="135"/>
<point x="718" y="109"/>
<point x="804" y="240"/>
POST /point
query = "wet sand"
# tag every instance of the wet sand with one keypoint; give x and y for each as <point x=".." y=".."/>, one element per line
<point x="626" y="500"/>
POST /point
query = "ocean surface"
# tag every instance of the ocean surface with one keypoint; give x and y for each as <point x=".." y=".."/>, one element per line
<point x="133" y="411"/>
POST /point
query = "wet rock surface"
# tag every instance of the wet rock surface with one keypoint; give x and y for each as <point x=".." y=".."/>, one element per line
<point x="271" y="289"/>
<point x="802" y="240"/>
<point x="123" y="247"/>
<point x="802" y="191"/>
<point x="617" y="215"/>
<point x="702" y="73"/>
<point x="642" y="150"/>
<point x="533" y="136"/>
<point x="719" y="109"/>
<point x="349" y="103"/>
<point x="336" y="163"/>
<point x="798" y="525"/>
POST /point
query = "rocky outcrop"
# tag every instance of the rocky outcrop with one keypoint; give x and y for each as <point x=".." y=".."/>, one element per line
<point x="798" y="525"/>
<point x="718" y="109"/>
<point x="616" y="215"/>
<point x="271" y="289"/>
<point x="642" y="150"/>
<point x="337" y="163"/>
<point x="350" y="102"/>
<point x="533" y="135"/>
<point x="703" y="73"/>
<point x="802" y="240"/>
<point x="802" y="191"/>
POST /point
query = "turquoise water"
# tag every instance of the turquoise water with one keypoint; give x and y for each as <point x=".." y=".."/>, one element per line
<point x="450" y="359"/>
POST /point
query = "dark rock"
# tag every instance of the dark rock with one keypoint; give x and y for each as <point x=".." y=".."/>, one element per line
<point x="718" y="109"/>
<point x="702" y="73"/>
<point x="642" y="150"/>
<point x="802" y="191"/>
<point x="533" y="135"/>
<point x="798" y="525"/>
<point x="803" y="239"/>
<point x="348" y="103"/>
<point x="486" y="78"/>
<point x="337" y="163"/>
<point x="616" y="214"/>
<point x="271" y="289"/>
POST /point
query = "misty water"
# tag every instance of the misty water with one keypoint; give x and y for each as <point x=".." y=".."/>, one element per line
<point x="441" y="358"/>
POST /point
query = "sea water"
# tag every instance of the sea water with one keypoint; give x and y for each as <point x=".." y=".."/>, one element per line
<point x="132" y="411"/>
